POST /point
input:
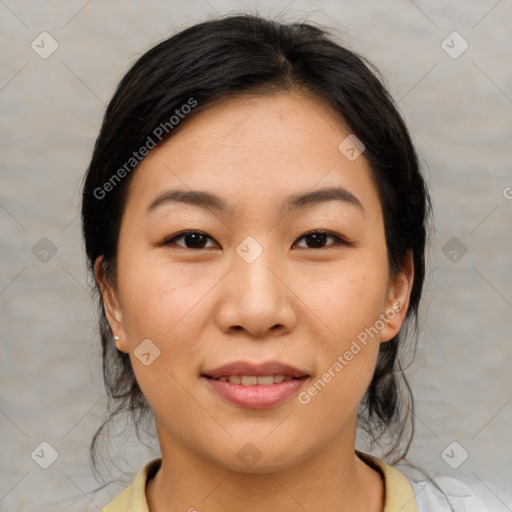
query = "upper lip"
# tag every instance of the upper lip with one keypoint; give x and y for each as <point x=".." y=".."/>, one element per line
<point x="248" y="368"/>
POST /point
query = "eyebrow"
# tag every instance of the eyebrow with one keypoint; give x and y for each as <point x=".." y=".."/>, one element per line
<point x="208" y="200"/>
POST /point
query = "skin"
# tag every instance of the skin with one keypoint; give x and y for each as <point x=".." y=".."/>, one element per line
<point x="296" y="303"/>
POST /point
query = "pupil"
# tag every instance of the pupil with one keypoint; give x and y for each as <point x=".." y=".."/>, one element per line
<point x="195" y="239"/>
<point x="318" y="239"/>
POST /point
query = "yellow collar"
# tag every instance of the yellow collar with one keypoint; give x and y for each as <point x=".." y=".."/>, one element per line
<point x="399" y="495"/>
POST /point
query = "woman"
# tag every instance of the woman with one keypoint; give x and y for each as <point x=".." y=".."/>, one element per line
<point x="255" y="220"/>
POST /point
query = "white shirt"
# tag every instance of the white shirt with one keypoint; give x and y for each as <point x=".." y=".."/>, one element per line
<point x="460" y="495"/>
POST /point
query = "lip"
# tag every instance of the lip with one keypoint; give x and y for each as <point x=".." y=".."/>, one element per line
<point x="248" y="368"/>
<point x="255" y="396"/>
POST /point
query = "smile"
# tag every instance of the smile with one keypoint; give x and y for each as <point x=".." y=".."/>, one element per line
<point x="251" y="380"/>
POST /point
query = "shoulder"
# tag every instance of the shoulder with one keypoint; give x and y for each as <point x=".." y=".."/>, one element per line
<point x="457" y="493"/>
<point x="404" y="492"/>
<point x="133" y="499"/>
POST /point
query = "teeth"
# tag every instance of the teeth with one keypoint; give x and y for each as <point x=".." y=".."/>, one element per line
<point x="251" y="380"/>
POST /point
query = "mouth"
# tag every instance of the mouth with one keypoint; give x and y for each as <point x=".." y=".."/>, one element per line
<point x="254" y="386"/>
<point x="254" y="373"/>
<point x="254" y="380"/>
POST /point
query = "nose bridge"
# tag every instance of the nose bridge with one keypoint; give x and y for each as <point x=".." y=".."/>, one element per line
<point x="253" y="278"/>
<point x="256" y="299"/>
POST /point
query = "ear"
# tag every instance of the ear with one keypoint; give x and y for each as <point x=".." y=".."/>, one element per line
<point x="110" y="304"/>
<point x="397" y="302"/>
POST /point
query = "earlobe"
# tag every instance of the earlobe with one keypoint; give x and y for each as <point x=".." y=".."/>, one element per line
<point x="398" y="300"/>
<point x="110" y="303"/>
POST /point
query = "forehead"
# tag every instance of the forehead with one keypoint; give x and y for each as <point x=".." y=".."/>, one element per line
<point x="254" y="147"/>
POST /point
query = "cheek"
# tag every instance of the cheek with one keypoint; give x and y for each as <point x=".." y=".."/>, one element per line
<point x="168" y="308"/>
<point x="348" y="352"/>
<point x="171" y="305"/>
<point x="159" y="298"/>
<point x="349" y="297"/>
<point x="331" y="401"/>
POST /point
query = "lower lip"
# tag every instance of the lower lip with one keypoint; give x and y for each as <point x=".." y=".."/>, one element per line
<point x="256" y="396"/>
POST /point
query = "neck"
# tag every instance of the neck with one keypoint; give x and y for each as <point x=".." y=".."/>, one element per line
<point x="334" y="479"/>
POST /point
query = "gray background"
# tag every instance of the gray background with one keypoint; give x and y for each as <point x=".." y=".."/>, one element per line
<point x="459" y="111"/>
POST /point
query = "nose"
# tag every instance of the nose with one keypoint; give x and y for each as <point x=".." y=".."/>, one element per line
<point x="255" y="297"/>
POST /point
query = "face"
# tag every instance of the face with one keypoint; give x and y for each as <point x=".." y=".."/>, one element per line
<point x="255" y="277"/>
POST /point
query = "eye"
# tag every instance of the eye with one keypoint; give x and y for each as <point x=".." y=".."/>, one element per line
<point x="198" y="240"/>
<point x="192" y="239"/>
<point x="318" y="238"/>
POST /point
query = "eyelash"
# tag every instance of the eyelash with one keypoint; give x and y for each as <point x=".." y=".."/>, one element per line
<point x="338" y="239"/>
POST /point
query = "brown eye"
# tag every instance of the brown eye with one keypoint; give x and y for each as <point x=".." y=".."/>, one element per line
<point x="198" y="240"/>
<point x="191" y="240"/>
<point x="317" y="239"/>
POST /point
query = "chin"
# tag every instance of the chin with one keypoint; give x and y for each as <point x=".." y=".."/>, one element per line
<point x="256" y="456"/>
